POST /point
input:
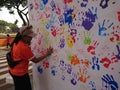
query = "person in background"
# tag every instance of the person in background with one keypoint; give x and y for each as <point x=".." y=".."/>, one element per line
<point x="8" y="40"/>
<point x="22" y="51"/>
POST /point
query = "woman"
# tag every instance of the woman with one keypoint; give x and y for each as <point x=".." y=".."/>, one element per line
<point x="22" y="51"/>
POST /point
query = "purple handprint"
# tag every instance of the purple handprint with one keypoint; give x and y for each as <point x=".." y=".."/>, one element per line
<point x="89" y="19"/>
<point x="74" y="79"/>
<point x="118" y="55"/>
<point x="109" y="80"/>
<point x="84" y="3"/>
<point x="69" y="69"/>
<point x="104" y="3"/>
<point x="62" y="43"/>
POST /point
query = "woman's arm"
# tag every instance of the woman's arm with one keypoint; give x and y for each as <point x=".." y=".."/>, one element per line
<point x="36" y="60"/>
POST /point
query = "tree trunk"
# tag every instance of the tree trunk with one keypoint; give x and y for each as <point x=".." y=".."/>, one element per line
<point x="20" y="14"/>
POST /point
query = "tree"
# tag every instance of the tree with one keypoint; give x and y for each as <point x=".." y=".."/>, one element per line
<point x="7" y="27"/>
<point x="20" y="6"/>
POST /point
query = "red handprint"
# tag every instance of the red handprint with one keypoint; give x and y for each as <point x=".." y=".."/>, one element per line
<point x="91" y="48"/>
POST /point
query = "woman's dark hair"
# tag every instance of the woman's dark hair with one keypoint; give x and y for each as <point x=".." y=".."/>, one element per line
<point x="17" y="39"/>
<point x="8" y="35"/>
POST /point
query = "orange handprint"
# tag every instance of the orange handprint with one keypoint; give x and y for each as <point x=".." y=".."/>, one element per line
<point x="83" y="75"/>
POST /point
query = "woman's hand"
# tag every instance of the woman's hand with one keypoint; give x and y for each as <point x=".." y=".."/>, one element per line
<point x="49" y="52"/>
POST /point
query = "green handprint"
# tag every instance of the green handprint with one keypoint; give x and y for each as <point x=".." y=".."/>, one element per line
<point x="87" y="39"/>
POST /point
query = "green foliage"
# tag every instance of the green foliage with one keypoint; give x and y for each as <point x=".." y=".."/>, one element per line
<point x="12" y="3"/>
<point x="5" y="25"/>
<point x="17" y="4"/>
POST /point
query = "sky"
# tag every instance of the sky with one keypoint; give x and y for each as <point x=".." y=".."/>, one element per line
<point x="4" y="15"/>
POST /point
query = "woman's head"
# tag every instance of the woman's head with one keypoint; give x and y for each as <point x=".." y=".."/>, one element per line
<point x="27" y="33"/>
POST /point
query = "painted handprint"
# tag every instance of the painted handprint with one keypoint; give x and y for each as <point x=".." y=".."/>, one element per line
<point x="114" y="59"/>
<point x="70" y="41"/>
<point x="103" y="28"/>
<point x="73" y="32"/>
<point x="104" y="3"/>
<point x="46" y="64"/>
<point x="36" y="5"/>
<point x="106" y="62"/>
<point x="47" y="12"/>
<point x="40" y="69"/>
<point x="31" y="6"/>
<point x="91" y="48"/>
<point x="62" y="43"/>
<point x="89" y="18"/>
<point x="74" y="79"/>
<point x="69" y="68"/>
<point x="95" y="63"/>
<point x="87" y="39"/>
<point x="61" y="20"/>
<point x="53" y="70"/>
<point x="84" y="3"/>
<point x="110" y="59"/>
<point x="83" y="75"/>
<point x="75" y="60"/>
<point x="115" y="34"/>
<point x="118" y="15"/>
<point x="42" y="5"/>
<point x="68" y="16"/>
<point x="68" y="1"/>
<point x="44" y="1"/>
<point x="118" y="55"/>
<point x="110" y="82"/>
<point x="92" y="85"/>
<point x="62" y="66"/>
<point x="52" y="19"/>
<point x="55" y="7"/>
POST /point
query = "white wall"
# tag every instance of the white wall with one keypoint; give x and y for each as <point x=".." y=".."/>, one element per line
<point x="85" y="35"/>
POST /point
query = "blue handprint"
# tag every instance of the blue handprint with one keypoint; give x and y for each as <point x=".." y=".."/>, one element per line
<point x="44" y="1"/>
<point x="108" y="79"/>
<point x="92" y="85"/>
<point x="40" y="69"/>
<point x="68" y="17"/>
<point x="53" y="71"/>
<point x="102" y="28"/>
<point x="95" y="63"/>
